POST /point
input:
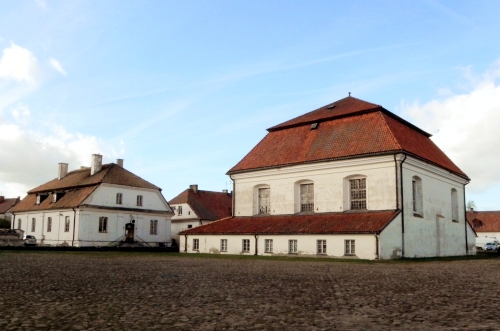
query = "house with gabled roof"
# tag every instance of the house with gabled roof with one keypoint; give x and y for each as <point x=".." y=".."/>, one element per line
<point x="194" y="207"/>
<point x="485" y="223"/>
<point x="6" y="205"/>
<point x="99" y="205"/>
<point x="349" y="179"/>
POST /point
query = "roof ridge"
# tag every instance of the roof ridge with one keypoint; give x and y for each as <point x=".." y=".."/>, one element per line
<point x="386" y="125"/>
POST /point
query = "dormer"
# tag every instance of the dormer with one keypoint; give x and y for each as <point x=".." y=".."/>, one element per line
<point x="56" y="196"/>
<point x="40" y="197"/>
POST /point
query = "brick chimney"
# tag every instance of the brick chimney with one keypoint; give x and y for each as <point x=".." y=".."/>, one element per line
<point x="62" y="171"/>
<point x="194" y="188"/>
<point x="119" y="162"/>
<point x="96" y="164"/>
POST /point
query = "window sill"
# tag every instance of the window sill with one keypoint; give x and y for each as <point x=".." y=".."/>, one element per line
<point x="454" y="221"/>
<point x="245" y="252"/>
<point x="268" y="252"/>
<point x="293" y="253"/>
<point x="417" y="215"/>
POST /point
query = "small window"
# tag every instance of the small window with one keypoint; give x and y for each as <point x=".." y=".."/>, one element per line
<point x="350" y="247"/>
<point x="417" y="196"/>
<point x="119" y="197"/>
<point x="264" y="201"/>
<point x="179" y="210"/>
<point x="477" y="223"/>
<point x="196" y="244"/>
<point x="357" y="189"/>
<point x="153" y="227"/>
<point x="269" y="245"/>
<point x="66" y="224"/>
<point x="103" y="224"/>
<point x="246" y="245"/>
<point x="307" y="197"/>
<point x="19" y="224"/>
<point x="49" y="224"/>
<point x="139" y="200"/>
<point x="321" y="246"/>
<point x="190" y="226"/>
<point x="454" y="205"/>
<point x="292" y="246"/>
<point x="223" y="245"/>
<point x="33" y="224"/>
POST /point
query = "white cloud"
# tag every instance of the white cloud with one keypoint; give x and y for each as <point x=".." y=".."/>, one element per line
<point x="465" y="127"/>
<point x="56" y="65"/>
<point x="19" y="64"/>
<point x="21" y="113"/>
<point x="41" y="3"/>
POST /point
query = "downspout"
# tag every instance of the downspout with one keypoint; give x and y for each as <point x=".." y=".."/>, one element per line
<point x="376" y="247"/>
<point x="185" y="243"/>
<point x="402" y="208"/>
<point x="13" y="221"/>
<point x="233" y="196"/>
<point x="74" y="223"/>
<point x="465" y="219"/>
<point x="256" y="250"/>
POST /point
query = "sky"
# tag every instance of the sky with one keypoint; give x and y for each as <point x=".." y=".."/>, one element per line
<point x="182" y="90"/>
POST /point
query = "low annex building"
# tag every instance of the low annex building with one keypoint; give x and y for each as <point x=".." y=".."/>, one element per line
<point x="6" y="205"/>
<point x="99" y="205"/>
<point x="194" y="207"/>
<point x="350" y="179"/>
<point x="485" y="223"/>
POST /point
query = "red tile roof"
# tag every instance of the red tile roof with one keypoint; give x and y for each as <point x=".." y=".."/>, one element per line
<point x="207" y="205"/>
<point x="484" y="221"/>
<point x="355" y="129"/>
<point x="71" y="199"/>
<point x="327" y="223"/>
<point x="7" y="204"/>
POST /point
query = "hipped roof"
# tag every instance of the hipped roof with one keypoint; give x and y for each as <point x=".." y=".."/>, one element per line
<point x="346" y="128"/>
<point x="207" y="205"/>
<point x="325" y="223"/>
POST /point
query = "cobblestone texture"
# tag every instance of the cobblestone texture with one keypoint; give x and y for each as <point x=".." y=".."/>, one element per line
<point x="122" y="291"/>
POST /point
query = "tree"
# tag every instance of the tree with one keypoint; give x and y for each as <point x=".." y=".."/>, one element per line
<point x="471" y="205"/>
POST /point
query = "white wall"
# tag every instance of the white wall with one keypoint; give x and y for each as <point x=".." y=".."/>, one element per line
<point x="329" y="179"/>
<point x="390" y="241"/>
<point x="187" y="212"/>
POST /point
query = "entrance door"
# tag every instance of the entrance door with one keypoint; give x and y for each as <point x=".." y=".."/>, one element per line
<point x="129" y="232"/>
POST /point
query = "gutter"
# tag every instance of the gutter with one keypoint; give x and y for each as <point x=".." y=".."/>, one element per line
<point x="74" y="223"/>
<point x="233" y="196"/>
<point x="402" y="208"/>
<point x="256" y="250"/>
<point x="465" y="219"/>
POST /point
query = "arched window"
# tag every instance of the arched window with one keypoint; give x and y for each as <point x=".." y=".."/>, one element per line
<point x="417" y="201"/>
<point x="262" y="199"/>
<point x="454" y="205"/>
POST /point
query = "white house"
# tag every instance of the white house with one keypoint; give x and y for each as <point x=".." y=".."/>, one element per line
<point x="95" y="206"/>
<point x="350" y="179"/>
<point x="194" y="207"/>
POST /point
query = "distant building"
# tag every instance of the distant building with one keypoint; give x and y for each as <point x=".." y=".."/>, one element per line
<point x="95" y="206"/>
<point x="195" y="207"/>
<point x="350" y="179"/>
<point x="485" y="223"/>
<point x="6" y="205"/>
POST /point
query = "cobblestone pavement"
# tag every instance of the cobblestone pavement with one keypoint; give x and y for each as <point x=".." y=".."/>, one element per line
<point x="133" y="291"/>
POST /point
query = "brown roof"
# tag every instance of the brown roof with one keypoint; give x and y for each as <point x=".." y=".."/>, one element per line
<point x="354" y="128"/>
<point x="325" y="223"/>
<point x="207" y="205"/>
<point x="484" y="221"/>
<point x="7" y="204"/>
<point x="71" y="199"/>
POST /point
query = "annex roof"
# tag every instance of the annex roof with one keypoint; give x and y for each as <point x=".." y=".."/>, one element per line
<point x="484" y="221"/>
<point x="325" y="223"/>
<point x="7" y="204"/>
<point x="347" y="128"/>
<point x="207" y="205"/>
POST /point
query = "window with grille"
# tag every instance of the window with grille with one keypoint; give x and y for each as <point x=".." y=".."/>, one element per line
<point x="49" y="224"/>
<point x="153" y="227"/>
<point x="119" y="197"/>
<point x="350" y="247"/>
<point x="179" y="210"/>
<point x="321" y="246"/>
<point x="269" y="245"/>
<point x="196" y="244"/>
<point x="139" y="200"/>
<point x="103" y="224"/>
<point x="292" y="246"/>
<point x="307" y="197"/>
<point x="66" y="224"/>
<point x="358" y="193"/>
<point x="223" y="245"/>
<point x="246" y="245"/>
<point x="264" y="201"/>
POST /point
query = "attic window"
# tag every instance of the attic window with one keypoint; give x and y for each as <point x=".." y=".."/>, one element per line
<point x="40" y="198"/>
<point x="477" y="223"/>
<point x="331" y="107"/>
<point x="314" y="126"/>
<point x="56" y="196"/>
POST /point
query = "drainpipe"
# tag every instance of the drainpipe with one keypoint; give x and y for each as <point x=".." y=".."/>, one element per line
<point x="13" y="221"/>
<point x="256" y="250"/>
<point x="376" y="247"/>
<point x="465" y="218"/>
<point x="396" y="172"/>
<point x="185" y="243"/>
<point x="402" y="208"/>
<point x="233" y="196"/>
<point x="74" y="223"/>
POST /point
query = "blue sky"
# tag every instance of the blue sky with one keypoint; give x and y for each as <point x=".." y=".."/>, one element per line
<point x="182" y="90"/>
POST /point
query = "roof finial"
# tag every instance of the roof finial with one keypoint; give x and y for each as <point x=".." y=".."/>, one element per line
<point x="349" y="93"/>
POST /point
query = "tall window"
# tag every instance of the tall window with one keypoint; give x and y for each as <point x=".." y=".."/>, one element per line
<point x="246" y="245"/>
<point x="292" y="246"/>
<point x="119" y="197"/>
<point x="179" y="211"/>
<point x="103" y="224"/>
<point x="19" y="224"/>
<point x="454" y="205"/>
<point x="307" y="197"/>
<point x="416" y="187"/>
<point x="269" y="245"/>
<point x="153" y="227"/>
<point x="350" y="247"/>
<point x="139" y="200"/>
<point x="223" y="245"/>
<point x="321" y="246"/>
<point x="49" y="224"/>
<point x="33" y="224"/>
<point x="66" y="224"/>
<point x="196" y="244"/>
<point x="264" y="201"/>
<point x="357" y="189"/>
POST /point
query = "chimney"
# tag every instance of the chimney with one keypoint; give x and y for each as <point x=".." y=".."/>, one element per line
<point x="224" y="191"/>
<point x="194" y="188"/>
<point x="63" y="171"/>
<point x="119" y="162"/>
<point x="96" y="164"/>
